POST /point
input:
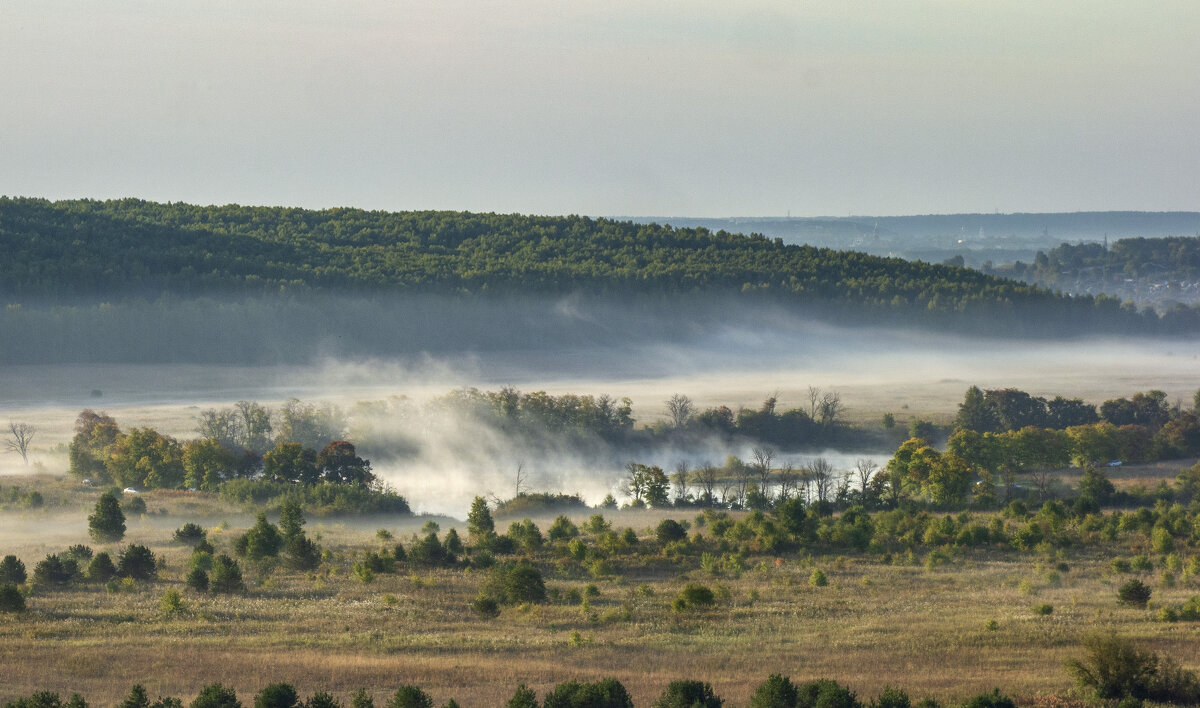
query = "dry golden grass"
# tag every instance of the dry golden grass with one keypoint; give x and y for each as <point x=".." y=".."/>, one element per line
<point x="874" y="625"/>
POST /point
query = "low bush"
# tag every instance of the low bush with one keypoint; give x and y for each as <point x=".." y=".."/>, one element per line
<point x="1134" y="593"/>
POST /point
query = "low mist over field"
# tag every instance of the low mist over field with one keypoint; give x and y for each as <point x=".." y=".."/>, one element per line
<point x="439" y="459"/>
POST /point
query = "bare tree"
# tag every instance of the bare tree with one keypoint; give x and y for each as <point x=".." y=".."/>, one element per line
<point x="788" y="481"/>
<point x="821" y="471"/>
<point x="22" y="436"/>
<point x="522" y="482"/>
<point x="680" y="479"/>
<point x="681" y="409"/>
<point x="863" y="469"/>
<point x="830" y="408"/>
<point x="763" y="456"/>
<point x="814" y="398"/>
<point x="706" y="476"/>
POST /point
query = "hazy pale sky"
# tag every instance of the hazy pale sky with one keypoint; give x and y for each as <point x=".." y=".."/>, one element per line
<point x="619" y="107"/>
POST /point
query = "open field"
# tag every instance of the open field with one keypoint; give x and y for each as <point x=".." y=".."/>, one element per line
<point x="879" y="622"/>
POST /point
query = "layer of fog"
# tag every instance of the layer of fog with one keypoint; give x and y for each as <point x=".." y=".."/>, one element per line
<point x="734" y="360"/>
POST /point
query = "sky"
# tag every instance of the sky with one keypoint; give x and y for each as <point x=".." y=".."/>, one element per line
<point x="620" y="107"/>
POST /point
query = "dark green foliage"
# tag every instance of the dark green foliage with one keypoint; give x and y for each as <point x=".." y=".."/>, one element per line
<point x="80" y="553"/>
<point x="323" y="499"/>
<point x="453" y="544"/>
<point x="137" y="698"/>
<point x="523" y="697"/>
<point x="135" y="505"/>
<point x="892" y="698"/>
<point x="189" y="533"/>
<point x="277" y="695"/>
<point x="362" y="699"/>
<point x="410" y="697"/>
<point x="301" y="553"/>
<point x="776" y="692"/>
<point x="321" y="699"/>
<point x="526" y="534"/>
<point x="339" y="463"/>
<point x="527" y="503"/>
<point x="226" y="576"/>
<point x="55" y="570"/>
<point x="216" y="696"/>
<point x="695" y="595"/>
<point x="562" y="529"/>
<point x="101" y="569"/>
<point x="485" y="606"/>
<point x="479" y="519"/>
<point x="688" y="694"/>
<point x="1114" y="667"/>
<point x="605" y="693"/>
<point x="197" y="580"/>
<point x="825" y="693"/>
<point x="46" y="699"/>
<point x="11" y="599"/>
<point x="107" y="523"/>
<point x="1134" y="593"/>
<point x="515" y="583"/>
<point x="137" y="562"/>
<point x="669" y="531"/>
<point x="291" y="519"/>
<point x="429" y="551"/>
<point x="261" y="541"/>
<point x="995" y="699"/>
<point x="12" y="570"/>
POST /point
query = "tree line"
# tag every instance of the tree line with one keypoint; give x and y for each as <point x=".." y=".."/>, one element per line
<point x="62" y="251"/>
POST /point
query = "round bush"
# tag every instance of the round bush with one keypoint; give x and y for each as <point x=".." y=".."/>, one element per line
<point x="11" y="599"/>
<point x="1133" y="593"/>
<point x="669" y="531"/>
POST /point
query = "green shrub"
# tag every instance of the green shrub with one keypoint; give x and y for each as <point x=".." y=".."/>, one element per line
<point x="101" y="569"/>
<point x="410" y="697"/>
<point x="277" y="695"/>
<point x="107" y="523"/>
<point x="523" y="697"/>
<point x="776" y="692"/>
<point x="817" y="579"/>
<point x="11" y="599"/>
<point x="1113" y="668"/>
<point x="136" y="505"/>
<point x="995" y="699"/>
<point x="262" y="540"/>
<point x="825" y="693"/>
<point x="226" y="576"/>
<point x="669" y="531"/>
<point x="216" y="696"/>
<point x="1043" y="609"/>
<point x="362" y="699"/>
<point x="189" y="533"/>
<point x="197" y="580"/>
<point x="137" y="562"/>
<point x="892" y="698"/>
<point x="485" y="606"/>
<point x="694" y="595"/>
<point x="54" y="570"/>
<point x="1133" y="593"/>
<point x="12" y="570"/>
<point x="688" y="694"/>
<point x="515" y="583"/>
<point x="606" y="693"/>
<point x="562" y="529"/>
<point x="321" y="699"/>
<point x="80" y="553"/>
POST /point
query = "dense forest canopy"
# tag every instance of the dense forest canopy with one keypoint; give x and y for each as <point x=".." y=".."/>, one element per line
<point x="136" y="281"/>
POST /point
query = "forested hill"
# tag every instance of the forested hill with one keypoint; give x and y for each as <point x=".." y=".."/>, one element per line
<point x="71" y="251"/>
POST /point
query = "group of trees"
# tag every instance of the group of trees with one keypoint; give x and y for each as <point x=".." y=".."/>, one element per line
<point x="60" y="252"/>
<point x="790" y="428"/>
<point x="146" y="459"/>
<point x="1000" y="410"/>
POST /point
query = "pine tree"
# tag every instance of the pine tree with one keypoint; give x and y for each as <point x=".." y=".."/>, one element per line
<point x="107" y="524"/>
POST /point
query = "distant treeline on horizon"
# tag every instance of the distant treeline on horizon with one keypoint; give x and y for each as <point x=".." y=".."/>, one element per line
<point x="143" y="258"/>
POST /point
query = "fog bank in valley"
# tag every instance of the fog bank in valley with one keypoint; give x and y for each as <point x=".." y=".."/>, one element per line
<point x="736" y="356"/>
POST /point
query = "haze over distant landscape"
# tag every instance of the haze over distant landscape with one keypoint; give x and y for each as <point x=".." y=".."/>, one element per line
<point x="778" y="353"/>
<point x="699" y="109"/>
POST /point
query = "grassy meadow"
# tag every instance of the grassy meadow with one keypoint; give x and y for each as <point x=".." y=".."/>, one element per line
<point x="948" y="624"/>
